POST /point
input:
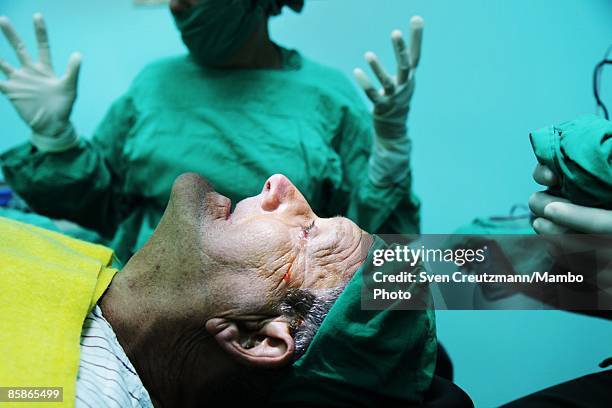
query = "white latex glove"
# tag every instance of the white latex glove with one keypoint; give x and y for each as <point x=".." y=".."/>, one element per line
<point x="559" y="216"/>
<point x="564" y="224"/>
<point x="43" y="100"/>
<point x="390" y="159"/>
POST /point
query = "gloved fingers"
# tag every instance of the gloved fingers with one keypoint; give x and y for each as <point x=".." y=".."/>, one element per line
<point x="416" y="38"/>
<point x="42" y="39"/>
<point x="545" y="226"/>
<point x="71" y="77"/>
<point x="379" y="71"/>
<point x="544" y="176"/>
<point x="6" y="68"/>
<point x="4" y="87"/>
<point x="556" y="236"/>
<point x="364" y="82"/>
<point x="15" y="41"/>
<point x="580" y="218"/>
<point x="401" y="56"/>
<point x="538" y="201"/>
<point x="565" y="241"/>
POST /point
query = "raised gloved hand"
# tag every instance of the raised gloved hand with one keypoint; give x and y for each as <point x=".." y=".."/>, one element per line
<point x="390" y="159"/>
<point x="43" y="100"/>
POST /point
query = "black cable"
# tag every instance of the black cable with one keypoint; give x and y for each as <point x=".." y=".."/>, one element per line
<point x="597" y="81"/>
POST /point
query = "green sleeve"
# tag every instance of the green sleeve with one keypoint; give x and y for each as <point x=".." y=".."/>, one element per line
<point x="392" y="209"/>
<point x="579" y="152"/>
<point x="82" y="184"/>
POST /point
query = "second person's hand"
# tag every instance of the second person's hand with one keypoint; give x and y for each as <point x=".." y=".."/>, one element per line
<point x="558" y="215"/>
<point x="42" y="99"/>
<point x="573" y="229"/>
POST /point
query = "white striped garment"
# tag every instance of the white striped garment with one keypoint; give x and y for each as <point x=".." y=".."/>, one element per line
<point x="106" y="378"/>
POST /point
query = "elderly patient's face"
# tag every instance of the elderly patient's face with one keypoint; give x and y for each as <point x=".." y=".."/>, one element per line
<point x="280" y="236"/>
<point x="214" y="290"/>
<point x="235" y="271"/>
<point x="271" y="242"/>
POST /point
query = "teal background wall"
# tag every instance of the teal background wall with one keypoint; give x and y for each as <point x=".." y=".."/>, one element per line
<point x="491" y="71"/>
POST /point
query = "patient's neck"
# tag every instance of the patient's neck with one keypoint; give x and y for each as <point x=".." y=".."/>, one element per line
<point x="175" y="359"/>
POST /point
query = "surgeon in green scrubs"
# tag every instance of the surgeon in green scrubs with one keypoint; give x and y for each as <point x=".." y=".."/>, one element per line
<point x="236" y="110"/>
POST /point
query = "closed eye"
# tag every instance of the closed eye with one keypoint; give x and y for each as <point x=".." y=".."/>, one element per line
<point x="306" y="230"/>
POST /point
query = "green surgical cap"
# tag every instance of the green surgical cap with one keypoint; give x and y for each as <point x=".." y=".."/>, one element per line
<point x="364" y="357"/>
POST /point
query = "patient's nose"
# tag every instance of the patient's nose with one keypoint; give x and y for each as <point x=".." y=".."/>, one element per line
<point x="276" y="191"/>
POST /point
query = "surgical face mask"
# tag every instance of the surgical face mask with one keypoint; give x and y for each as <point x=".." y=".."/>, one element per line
<point x="214" y="30"/>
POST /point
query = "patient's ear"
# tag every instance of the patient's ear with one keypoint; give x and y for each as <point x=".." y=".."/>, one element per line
<point x="261" y="345"/>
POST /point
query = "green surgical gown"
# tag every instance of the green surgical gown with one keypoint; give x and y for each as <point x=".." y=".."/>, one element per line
<point x="579" y="152"/>
<point x="234" y="127"/>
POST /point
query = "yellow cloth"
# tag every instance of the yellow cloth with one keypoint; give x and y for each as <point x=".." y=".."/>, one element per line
<point x="48" y="285"/>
